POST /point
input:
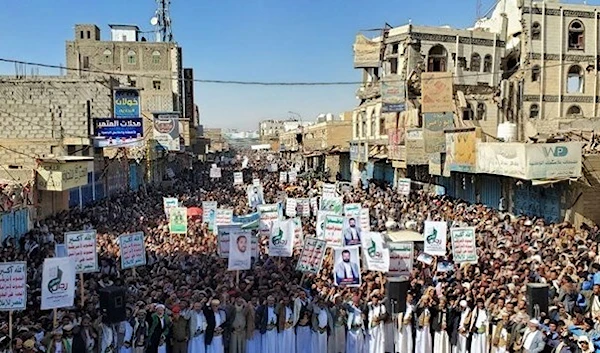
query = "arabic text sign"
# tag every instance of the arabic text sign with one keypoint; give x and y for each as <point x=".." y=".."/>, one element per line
<point x="168" y="203"/>
<point x="133" y="251"/>
<point x="224" y="216"/>
<point x="268" y="215"/>
<point x="404" y="186"/>
<point x="62" y="176"/>
<point x="215" y="173"/>
<point x="119" y="129"/>
<point x="127" y="103"/>
<point x="238" y="178"/>
<point x="334" y="226"/>
<point x="434" y="124"/>
<point x="437" y="92"/>
<point x="464" y="248"/>
<point x="312" y="255"/>
<point x="81" y="247"/>
<point x="553" y="160"/>
<point x="401" y="259"/>
<point x="13" y="286"/>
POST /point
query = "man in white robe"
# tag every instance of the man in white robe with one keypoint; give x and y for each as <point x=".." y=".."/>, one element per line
<point x="376" y="319"/>
<point x="302" y="320"/>
<point x="479" y="325"/>
<point x="124" y="335"/>
<point x="270" y="339"/>
<point x="355" y="339"/>
<point x="439" y="324"/>
<point x="322" y="326"/>
<point x="463" y="328"/>
<point x="255" y="342"/>
<point x="197" y="327"/>
<point x="215" y="318"/>
<point x="405" y="332"/>
<point x="287" y="336"/>
<point x="339" y="315"/>
<point x="500" y="337"/>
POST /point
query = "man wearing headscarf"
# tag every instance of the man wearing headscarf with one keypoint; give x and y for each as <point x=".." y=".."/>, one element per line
<point x="268" y="326"/>
<point x="463" y="327"/>
<point x="215" y="319"/>
<point x="479" y="325"/>
<point x="339" y="315"/>
<point x="405" y="331"/>
<point x="355" y="340"/>
<point x="376" y="317"/>
<point x="285" y="317"/>
<point x="240" y="326"/>
<point x="321" y="325"/>
<point x="159" y="330"/>
<point x="139" y="340"/>
<point x="439" y="325"/>
<point x="302" y="322"/>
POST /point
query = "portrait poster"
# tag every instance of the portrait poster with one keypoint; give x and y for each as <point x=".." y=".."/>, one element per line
<point x="346" y="270"/>
<point x="240" y="249"/>
<point x="178" y="220"/>
<point x="58" y="283"/>
<point x="352" y="232"/>
<point x="255" y="196"/>
<point x="434" y="236"/>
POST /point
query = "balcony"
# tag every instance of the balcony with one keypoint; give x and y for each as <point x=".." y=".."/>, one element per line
<point x="369" y="90"/>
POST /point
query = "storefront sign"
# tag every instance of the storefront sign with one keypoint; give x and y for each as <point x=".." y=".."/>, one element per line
<point x="366" y="52"/>
<point x="127" y="103"/>
<point x="554" y="160"/>
<point x="359" y="152"/>
<point x="415" y="150"/>
<point x="393" y="93"/>
<point x="437" y="92"/>
<point x="434" y="125"/>
<point x="500" y="158"/>
<point x="117" y="130"/>
<point x="166" y="130"/>
<point x="61" y="176"/>
<point x="461" y="154"/>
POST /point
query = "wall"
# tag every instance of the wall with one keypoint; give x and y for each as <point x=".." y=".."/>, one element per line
<point x="35" y="113"/>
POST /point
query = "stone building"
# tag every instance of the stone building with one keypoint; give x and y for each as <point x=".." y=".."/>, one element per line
<point x="153" y="67"/>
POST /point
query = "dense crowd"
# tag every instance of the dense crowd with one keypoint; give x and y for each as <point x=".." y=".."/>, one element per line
<point x="185" y="300"/>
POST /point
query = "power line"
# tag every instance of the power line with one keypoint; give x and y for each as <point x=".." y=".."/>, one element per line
<point x="249" y="83"/>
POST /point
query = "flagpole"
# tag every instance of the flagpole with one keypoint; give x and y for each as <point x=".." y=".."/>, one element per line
<point x="10" y="324"/>
<point x="55" y="319"/>
<point x="237" y="278"/>
<point x="82" y="289"/>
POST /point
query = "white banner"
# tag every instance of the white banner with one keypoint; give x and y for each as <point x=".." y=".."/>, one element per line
<point x="268" y="215"/>
<point x="209" y="212"/>
<point x="283" y="177"/>
<point x="240" y="251"/>
<point x="58" y="283"/>
<point x="215" y="173"/>
<point x="292" y="176"/>
<point x="435" y="234"/>
<point x="168" y="203"/>
<point x="281" y="240"/>
<point x="346" y="270"/>
<point x="224" y="216"/>
<point x="133" y="250"/>
<point x="401" y="259"/>
<point x="290" y="207"/>
<point x="404" y="186"/>
<point x="464" y="247"/>
<point x="13" y="286"/>
<point x="329" y="191"/>
<point x="238" y="178"/>
<point x="352" y="210"/>
<point x="365" y="220"/>
<point x="377" y="258"/>
<point x="334" y="226"/>
<point x="320" y="227"/>
<point x="81" y="247"/>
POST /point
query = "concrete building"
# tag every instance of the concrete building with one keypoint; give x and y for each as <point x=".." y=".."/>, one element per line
<point x="153" y="67"/>
<point x="326" y="147"/>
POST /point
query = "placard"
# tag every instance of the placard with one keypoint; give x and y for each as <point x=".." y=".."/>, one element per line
<point x="435" y="234"/>
<point x="281" y="240"/>
<point x="464" y="247"/>
<point x="290" y="207"/>
<point x="240" y="252"/>
<point x="311" y="259"/>
<point x="133" y="250"/>
<point x="334" y="226"/>
<point x="209" y="210"/>
<point x="168" y="203"/>
<point x="292" y="176"/>
<point x="329" y="191"/>
<point x="346" y="270"/>
<point x="238" y="178"/>
<point x="178" y="220"/>
<point x="268" y="215"/>
<point x="352" y="210"/>
<point x="283" y="177"/>
<point x="335" y="205"/>
<point x="215" y="173"/>
<point x="377" y="257"/>
<point x="401" y="259"/>
<point x="404" y="186"/>
<point x="365" y="220"/>
<point x="81" y="247"/>
<point x="58" y="283"/>
<point x="224" y="216"/>
<point x="13" y="286"/>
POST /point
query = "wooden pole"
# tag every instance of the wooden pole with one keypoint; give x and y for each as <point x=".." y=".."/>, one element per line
<point x="82" y="289"/>
<point x="10" y="324"/>
<point x="237" y="278"/>
<point x="55" y="318"/>
<point x="302" y="279"/>
<point x="134" y="272"/>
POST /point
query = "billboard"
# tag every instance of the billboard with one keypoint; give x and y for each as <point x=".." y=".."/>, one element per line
<point x="166" y="131"/>
<point x="118" y="131"/>
<point x="188" y="86"/>
<point x="127" y="103"/>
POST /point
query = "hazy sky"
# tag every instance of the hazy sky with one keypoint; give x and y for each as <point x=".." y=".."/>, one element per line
<point x="256" y="40"/>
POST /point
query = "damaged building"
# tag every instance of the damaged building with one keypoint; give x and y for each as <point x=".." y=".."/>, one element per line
<point x="496" y="114"/>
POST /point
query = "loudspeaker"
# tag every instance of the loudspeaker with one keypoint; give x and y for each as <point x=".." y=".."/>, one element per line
<point x="396" y="294"/>
<point x="112" y="303"/>
<point x="537" y="299"/>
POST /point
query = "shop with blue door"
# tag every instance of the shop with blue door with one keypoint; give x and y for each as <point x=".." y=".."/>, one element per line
<point x="14" y="224"/>
<point x="383" y="171"/>
<point x="543" y="201"/>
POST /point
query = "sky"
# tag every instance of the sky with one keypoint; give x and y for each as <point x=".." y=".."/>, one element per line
<point x="256" y="40"/>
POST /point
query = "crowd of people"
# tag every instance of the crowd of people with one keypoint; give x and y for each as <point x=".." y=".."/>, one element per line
<point x="185" y="300"/>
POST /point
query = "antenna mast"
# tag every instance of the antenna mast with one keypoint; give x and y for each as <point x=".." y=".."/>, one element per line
<point x="162" y="21"/>
<point x="478" y="9"/>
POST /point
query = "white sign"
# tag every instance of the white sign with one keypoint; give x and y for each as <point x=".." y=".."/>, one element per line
<point x="434" y="236"/>
<point x="224" y="216"/>
<point x="334" y="226"/>
<point x="352" y="210"/>
<point x="464" y="247"/>
<point x="377" y="258"/>
<point x="401" y="259"/>
<point x="290" y="207"/>
<point x="283" y="177"/>
<point x="238" y="178"/>
<point x="168" y="203"/>
<point x="58" y="283"/>
<point x="215" y="173"/>
<point x="292" y="176"/>
<point x="281" y="240"/>
<point x="273" y="168"/>
<point x="240" y="249"/>
<point x="268" y="215"/>
<point x="329" y="191"/>
<point x="365" y="220"/>
<point x="320" y="227"/>
<point x="81" y="247"/>
<point x="13" y="286"/>
<point x="133" y="251"/>
<point x="404" y="186"/>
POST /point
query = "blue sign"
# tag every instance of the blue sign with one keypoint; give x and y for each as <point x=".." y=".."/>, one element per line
<point x="249" y="218"/>
<point x="119" y="129"/>
<point x="127" y="103"/>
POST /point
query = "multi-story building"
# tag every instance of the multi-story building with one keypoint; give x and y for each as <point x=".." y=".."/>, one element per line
<point x="326" y="147"/>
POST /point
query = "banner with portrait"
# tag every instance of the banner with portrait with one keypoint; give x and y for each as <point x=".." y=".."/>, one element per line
<point x="255" y="195"/>
<point x="178" y="220"/>
<point x="377" y="257"/>
<point x="434" y="236"/>
<point x="281" y="240"/>
<point x="58" y="283"/>
<point x="352" y="232"/>
<point x="240" y="249"/>
<point x="346" y="268"/>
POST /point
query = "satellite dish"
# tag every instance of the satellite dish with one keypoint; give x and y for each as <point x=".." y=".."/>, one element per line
<point x="154" y="21"/>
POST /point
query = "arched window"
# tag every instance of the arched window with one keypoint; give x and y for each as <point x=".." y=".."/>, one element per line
<point x="576" y="35"/>
<point x="535" y="73"/>
<point x="487" y="63"/>
<point x="574" y="111"/>
<point x="363" y="129"/>
<point x="475" y="62"/>
<point x="436" y="60"/>
<point x="575" y="79"/>
<point x="480" y="113"/>
<point x="156" y="57"/>
<point x="534" y="111"/>
<point x="536" y="31"/>
<point x="107" y="53"/>
<point x="382" y="131"/>
<point x="373" y="124"/>
<point x="131" y="57"/>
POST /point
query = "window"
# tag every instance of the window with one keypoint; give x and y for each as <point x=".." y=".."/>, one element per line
<point x="436" y="60"/>
<point x="156" y="85"/>
<point x="535" y="73"/>
<point x="574" y="111"/>
<point x="576" y="32"/>
<point x="107" y="53"/>
<point x="475" y="62"/>
<point x="468" y="112"/>
<point x="487" y="63"/>
<point x="373" y="124"/>
<point x="131" y="59"/>
<point x="393" y="66"/>
<point x="480" y="113"/>
<point x="534" y="111"/>
<point x="395" y="49"/>
<point x="536" y="31"/>
<point x="382" y="131"/>
<point x="85" y="62"/>
<point x="575" y="79"/>
<point x="363" y="128"/>
<point x="89" y="35"/>
<point x="124" y="38"/>
<point x="81" y="35"/>
<point x="156" y="57"/>
<point x="133" y="83"/>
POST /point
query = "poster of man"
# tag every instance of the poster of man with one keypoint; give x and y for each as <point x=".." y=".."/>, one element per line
<point x="351" y="231"/>
<point x="255" y="196"/>
<point x="347" y="267"/>
<point x="240" y="257"/>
